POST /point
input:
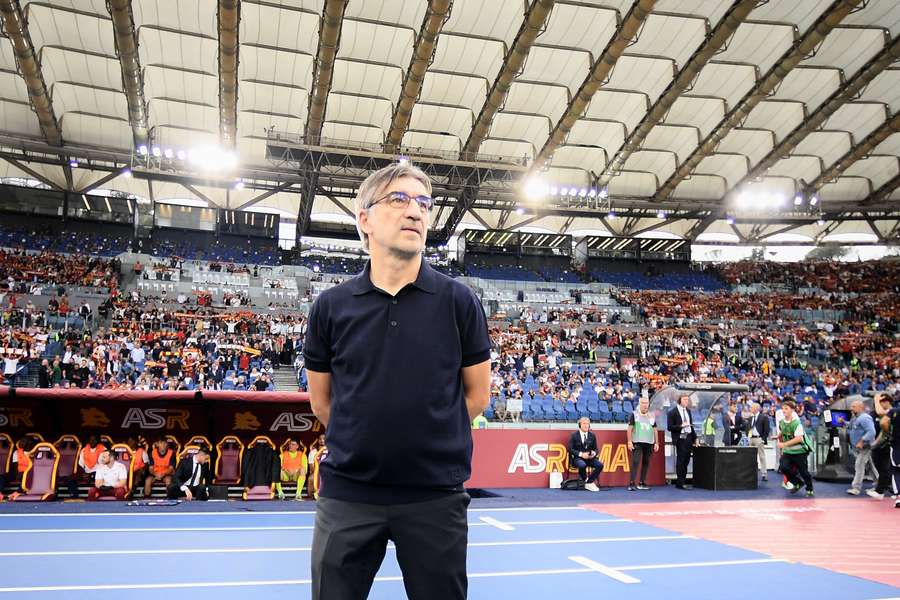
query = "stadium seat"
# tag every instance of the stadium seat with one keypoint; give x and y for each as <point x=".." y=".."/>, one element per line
<point x="40" y="479"/>
<point x="227" y="468"/>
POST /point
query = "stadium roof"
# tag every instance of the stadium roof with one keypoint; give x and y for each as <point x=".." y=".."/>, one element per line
<point x="716" y="112"/>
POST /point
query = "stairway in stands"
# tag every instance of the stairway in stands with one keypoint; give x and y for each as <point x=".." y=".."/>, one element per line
<point x="285" y="379"/>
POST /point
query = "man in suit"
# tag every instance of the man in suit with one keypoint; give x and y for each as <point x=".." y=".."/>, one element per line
<point x="684" y="437"/>
<point x="583" y="454"/>
<point x="758" y="430"/>
<point x="192" y="478"/>
<point x="734" y="425"/>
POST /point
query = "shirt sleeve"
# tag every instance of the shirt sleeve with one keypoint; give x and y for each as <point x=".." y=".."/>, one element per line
<point x="317" y="352"/>
<point x="475" y="341"/>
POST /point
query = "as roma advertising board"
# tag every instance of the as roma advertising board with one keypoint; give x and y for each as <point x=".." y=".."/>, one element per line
<point x="510" y="458"/>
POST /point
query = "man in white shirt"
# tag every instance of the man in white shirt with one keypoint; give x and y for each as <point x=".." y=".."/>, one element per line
<point x="110" y="478"/>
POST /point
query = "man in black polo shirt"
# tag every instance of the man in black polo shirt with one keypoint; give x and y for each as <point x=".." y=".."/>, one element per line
<point x="398" y="361"/>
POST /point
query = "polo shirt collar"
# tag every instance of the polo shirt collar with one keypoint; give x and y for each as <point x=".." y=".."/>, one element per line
<point x="425" y="281"/>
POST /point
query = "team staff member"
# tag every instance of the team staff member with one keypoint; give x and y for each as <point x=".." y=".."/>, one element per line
<point x="641" y="434"/>
<point x="398" y="360"/>
<point x="162" y="465"/>
<point x="583" y="454"/>
<point x="192" y="478"/>
<point x="684" y="437"/>
<point x="890" y="424"/>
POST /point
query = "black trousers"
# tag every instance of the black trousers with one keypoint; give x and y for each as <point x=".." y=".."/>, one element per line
<point x="796" y="468"/>
<point x="881" y="456"/>
<point x="641" y="454"/>
<point x="430" y="538"/>
<point x="683" y="448"/>
<point x="199" y="492"/>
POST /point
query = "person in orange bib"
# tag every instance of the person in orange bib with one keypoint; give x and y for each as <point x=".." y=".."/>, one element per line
<point x="141" y="458"/>
<point x="162" y="465"/>
<point x="87" y="458"/>
<point x="294" y="466"/>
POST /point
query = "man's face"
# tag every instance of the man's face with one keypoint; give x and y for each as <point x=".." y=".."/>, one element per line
<point x="399" y="231"/>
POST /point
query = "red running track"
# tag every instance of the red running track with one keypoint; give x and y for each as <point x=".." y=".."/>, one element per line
<point x="859" y="536"/>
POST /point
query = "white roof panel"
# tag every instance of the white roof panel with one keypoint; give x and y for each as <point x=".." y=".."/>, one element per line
<point x="583" y="157"/>
<point x="465" y="55"/>
<point x="291" y="29"/>
<point x="499" y="19"/>
<point x="859" y="118"/>
<point x="96" y="131"/>
<point x="680" y="140"/>
<point x="279" y="66"/>
<point x="701" y="187"/>
<point x="77" y="98"/>
<point x="755" y="143"/>
<point x="830" y="145"/>
<point x="758" y="44"/>
<point x="577" y="26"/>
<point x="64" y="65"/>
<point x="878" y="169"/>
<point x="372" y="80"/>
<point x="54" y="27"/>
<point x="810" y="86"/>
<point x="456" y="90"/>
<point x="674" y="37"/>
<point x="549" y="101"/>
<point x="633" y="184"/>
<point x="648" y="75"/>
<point x="727" y="81"/>
<point x="17" y="117"/>
<point x="848" y="49"/>
<point x="552" y="65"/>
<point x="702" y="113"/>
<point x="729" y="166"/>
<point x="440" y="119"/>
<point x="779" y="117"/>
<point x="618" y="105"/>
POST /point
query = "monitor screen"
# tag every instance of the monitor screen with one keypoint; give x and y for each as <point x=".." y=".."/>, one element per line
<point x="839" y="418"/>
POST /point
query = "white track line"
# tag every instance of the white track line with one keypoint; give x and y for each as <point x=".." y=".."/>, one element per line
<point x="163" y="551"/>
<point x="609" y="572"/>
<point x="715" y="563"/>
<point x="495" y="523"/>
<point x="484" y="522"/>
<point x="274" y="582"/>
<point x="251" y="512"/>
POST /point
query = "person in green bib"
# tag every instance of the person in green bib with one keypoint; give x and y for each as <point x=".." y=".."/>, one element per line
<point x="642" y="442"/>
<point x="794" y="448"/>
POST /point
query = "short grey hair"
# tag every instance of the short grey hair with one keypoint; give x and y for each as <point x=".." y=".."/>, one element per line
<point x="376" y="182"/>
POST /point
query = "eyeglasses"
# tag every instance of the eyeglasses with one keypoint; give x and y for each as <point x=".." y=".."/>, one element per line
<point x="401" y="200"/>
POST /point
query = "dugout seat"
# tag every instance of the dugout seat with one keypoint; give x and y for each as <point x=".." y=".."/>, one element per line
<point x="69" y="447"/>
<point x="6" y="452"/>
<point x="260" y="492"/>
<point x="40" y="478"/>
<point x="227" y="469"/>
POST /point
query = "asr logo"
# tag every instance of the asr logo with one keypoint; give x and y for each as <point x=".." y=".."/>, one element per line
<point x="157" y="418"/>
<point x="15" y="417"/>
<point x="546" y="458"/>
<point x="93" y="417"/>
<point x="246" y="421"/>
<point x="295" y="422"/>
